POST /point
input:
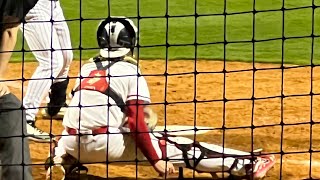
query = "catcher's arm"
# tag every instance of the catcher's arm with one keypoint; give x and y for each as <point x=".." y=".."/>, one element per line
<point x="135" y="113"/>
<point x="139" y="129"/>
<point x="137" y="99"/>
<point x="139" y="132"/>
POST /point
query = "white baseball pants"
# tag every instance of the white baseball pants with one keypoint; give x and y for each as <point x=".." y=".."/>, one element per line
<point x="48" y="41"/>
<point x="121" y="148"/>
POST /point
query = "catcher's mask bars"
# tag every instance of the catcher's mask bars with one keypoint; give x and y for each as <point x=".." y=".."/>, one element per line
<point x="116" y="37"/>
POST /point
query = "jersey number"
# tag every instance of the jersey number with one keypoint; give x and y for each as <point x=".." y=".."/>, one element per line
<point x="96" y="81"/>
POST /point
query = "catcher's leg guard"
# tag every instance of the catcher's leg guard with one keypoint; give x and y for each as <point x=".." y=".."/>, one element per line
<point x="57" y="97"/>
<point x="256" y="168"/>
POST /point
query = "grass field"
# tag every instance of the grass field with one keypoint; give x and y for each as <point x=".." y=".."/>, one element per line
<point x="209" y="31"/>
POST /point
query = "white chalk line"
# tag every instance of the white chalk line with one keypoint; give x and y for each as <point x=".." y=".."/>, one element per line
<point x="300" y="162"/>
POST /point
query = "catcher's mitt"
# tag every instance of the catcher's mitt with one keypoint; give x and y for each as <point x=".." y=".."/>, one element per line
<point x="150" y="117"/>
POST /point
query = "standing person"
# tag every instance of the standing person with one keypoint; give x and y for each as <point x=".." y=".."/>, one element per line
<point x="55" y="57"/>
<point x="110" y="110"/>
<point x="14" y="148"/>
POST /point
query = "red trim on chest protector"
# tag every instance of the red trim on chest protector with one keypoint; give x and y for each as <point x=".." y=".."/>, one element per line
<point x="96" y="81"/>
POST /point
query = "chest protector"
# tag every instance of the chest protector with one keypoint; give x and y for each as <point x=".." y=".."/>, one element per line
<point x="96" y="81"/>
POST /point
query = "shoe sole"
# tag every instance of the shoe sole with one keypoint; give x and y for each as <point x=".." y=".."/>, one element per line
<point x="53" y="110"/>
<point x="39" y="140"/>
<point x="264" y="173"/>
<point x="56" y="117"/>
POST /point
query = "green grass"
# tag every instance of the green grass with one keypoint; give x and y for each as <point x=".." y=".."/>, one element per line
<point x="209" y="30"/>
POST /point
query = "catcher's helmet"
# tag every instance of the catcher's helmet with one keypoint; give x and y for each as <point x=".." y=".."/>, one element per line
<point x="116" y="37"/>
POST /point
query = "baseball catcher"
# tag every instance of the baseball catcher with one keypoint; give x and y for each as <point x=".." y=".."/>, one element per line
<point x="110" y="119"/>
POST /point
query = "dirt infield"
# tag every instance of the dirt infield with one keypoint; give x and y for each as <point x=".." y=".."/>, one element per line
<point x="208" y="89"/>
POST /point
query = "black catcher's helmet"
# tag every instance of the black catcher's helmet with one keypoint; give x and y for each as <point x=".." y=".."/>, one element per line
<point x="116" y="36"/>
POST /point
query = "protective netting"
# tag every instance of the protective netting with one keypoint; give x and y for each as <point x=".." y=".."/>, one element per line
<point x="278" y="133"/>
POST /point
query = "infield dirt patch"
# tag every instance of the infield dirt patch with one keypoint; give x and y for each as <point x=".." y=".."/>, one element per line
<point x="209" y="89"/>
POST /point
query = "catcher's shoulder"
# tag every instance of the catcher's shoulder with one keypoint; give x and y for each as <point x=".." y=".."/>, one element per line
<point x="130" y="63"/>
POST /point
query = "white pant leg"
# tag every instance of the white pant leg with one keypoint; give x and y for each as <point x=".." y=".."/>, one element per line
<point x="64" y="39"/>
<point x="39" y="36"/>
<point x="122" y="147"/>
<point x="101" y="148"/>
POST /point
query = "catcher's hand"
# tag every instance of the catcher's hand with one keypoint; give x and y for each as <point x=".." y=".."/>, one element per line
<point x="164" y="168"/>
